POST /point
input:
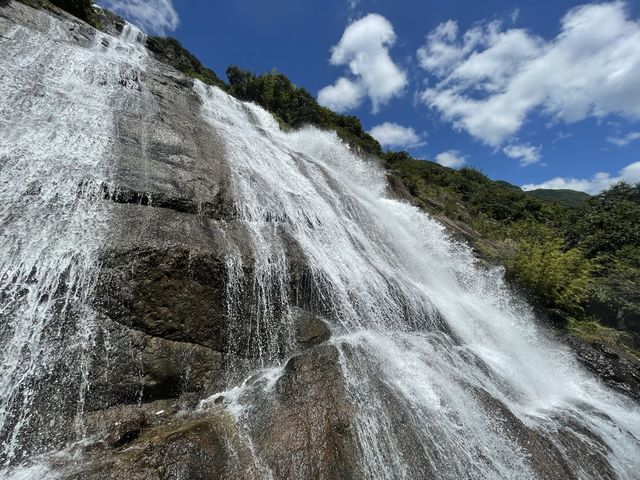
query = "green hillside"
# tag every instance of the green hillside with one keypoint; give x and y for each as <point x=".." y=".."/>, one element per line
<point x="569" y="198"/>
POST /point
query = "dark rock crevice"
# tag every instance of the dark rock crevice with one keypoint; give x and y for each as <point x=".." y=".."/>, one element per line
<point x="128" y="367"/>
<point x="217" y="210"/>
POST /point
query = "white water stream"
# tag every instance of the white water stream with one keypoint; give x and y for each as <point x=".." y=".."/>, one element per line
<point x="427" y="337"/>
<point x="58" y="105"/>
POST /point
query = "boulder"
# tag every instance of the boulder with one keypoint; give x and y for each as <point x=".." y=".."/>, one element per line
<point x="311" y="330"/>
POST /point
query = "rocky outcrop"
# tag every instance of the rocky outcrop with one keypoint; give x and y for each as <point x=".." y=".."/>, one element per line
<point x="312" y="437"/>
<point x="611" y="366"/>
<point x="547" y="458"/>
<point x="299" y="428"/>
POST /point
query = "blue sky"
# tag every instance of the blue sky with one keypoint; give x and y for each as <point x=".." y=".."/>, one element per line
<point x="536" y="93"/>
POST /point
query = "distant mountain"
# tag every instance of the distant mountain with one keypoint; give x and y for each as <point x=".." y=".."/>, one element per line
<point x="569" y="198"/>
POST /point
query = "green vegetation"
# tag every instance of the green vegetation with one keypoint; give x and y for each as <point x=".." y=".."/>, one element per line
<point x="173" y="53"/>
<point x="587" y="265"/>
<point x="469" y="195"/>
<point x="607" y="230"/>
<point x="558" y="277"/>
<point x="568" y="198"/>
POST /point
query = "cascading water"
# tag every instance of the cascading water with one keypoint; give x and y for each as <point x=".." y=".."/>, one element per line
<point x="57" y="116"/>
<point x="448" y="375"/>
<point x="443" y="363"/>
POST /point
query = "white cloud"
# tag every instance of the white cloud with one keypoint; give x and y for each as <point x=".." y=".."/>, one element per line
<point x="489" y="80"/>
<point x="625" y="139"/>
<point x="152" y="16"/>
<point x="364" y="48"/>
<point x="353" y="3"/>
<point x="394" y="135"/>
<point x="440" y="52"/>
<point x="597" y="183"/>
<point x="451" y="158"/>
<point x="342" y="95"/>
<point x="526" y="153"/>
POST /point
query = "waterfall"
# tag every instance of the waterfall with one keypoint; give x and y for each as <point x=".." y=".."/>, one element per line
<point x="58" y="101"/>
<point x="443" y="362"/>
<point x="448" y="373"/>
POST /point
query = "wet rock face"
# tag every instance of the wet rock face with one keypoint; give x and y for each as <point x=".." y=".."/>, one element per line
<point x="191" y="448"/>
<point x="299" y="429"/>
<point x="129" y="366"/>
<point x="312" y="437"/>
<point x="170" y="293"/>
<point x="544" y="458"/>
<point x="612" y="368"/>
<point x="311" y="330"/>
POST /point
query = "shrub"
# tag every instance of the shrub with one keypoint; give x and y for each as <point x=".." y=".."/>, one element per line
<point x="556" y="278"/>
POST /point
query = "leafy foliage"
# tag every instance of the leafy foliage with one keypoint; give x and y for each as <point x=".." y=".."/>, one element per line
<point x="609" y="221"/>
<point x="603" y="237"/>
<point x="469" y="193"/>
<point x="607" y="229"/>
<point x="557" y="277"/>
<point x="618" y="280"/>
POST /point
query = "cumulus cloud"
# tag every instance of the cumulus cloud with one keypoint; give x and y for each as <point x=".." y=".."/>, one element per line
<point x="625" y="139"/>
<point x="597" y="183"/>
<point x="526" y="153"/>
<point x="451" y="158"/>
<point x="152" y="16"/>
<point x="364" y="49"/>
<point x="342" y="95"/>
<point x="489" y="80"/>
<point x="394" y="135"/>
